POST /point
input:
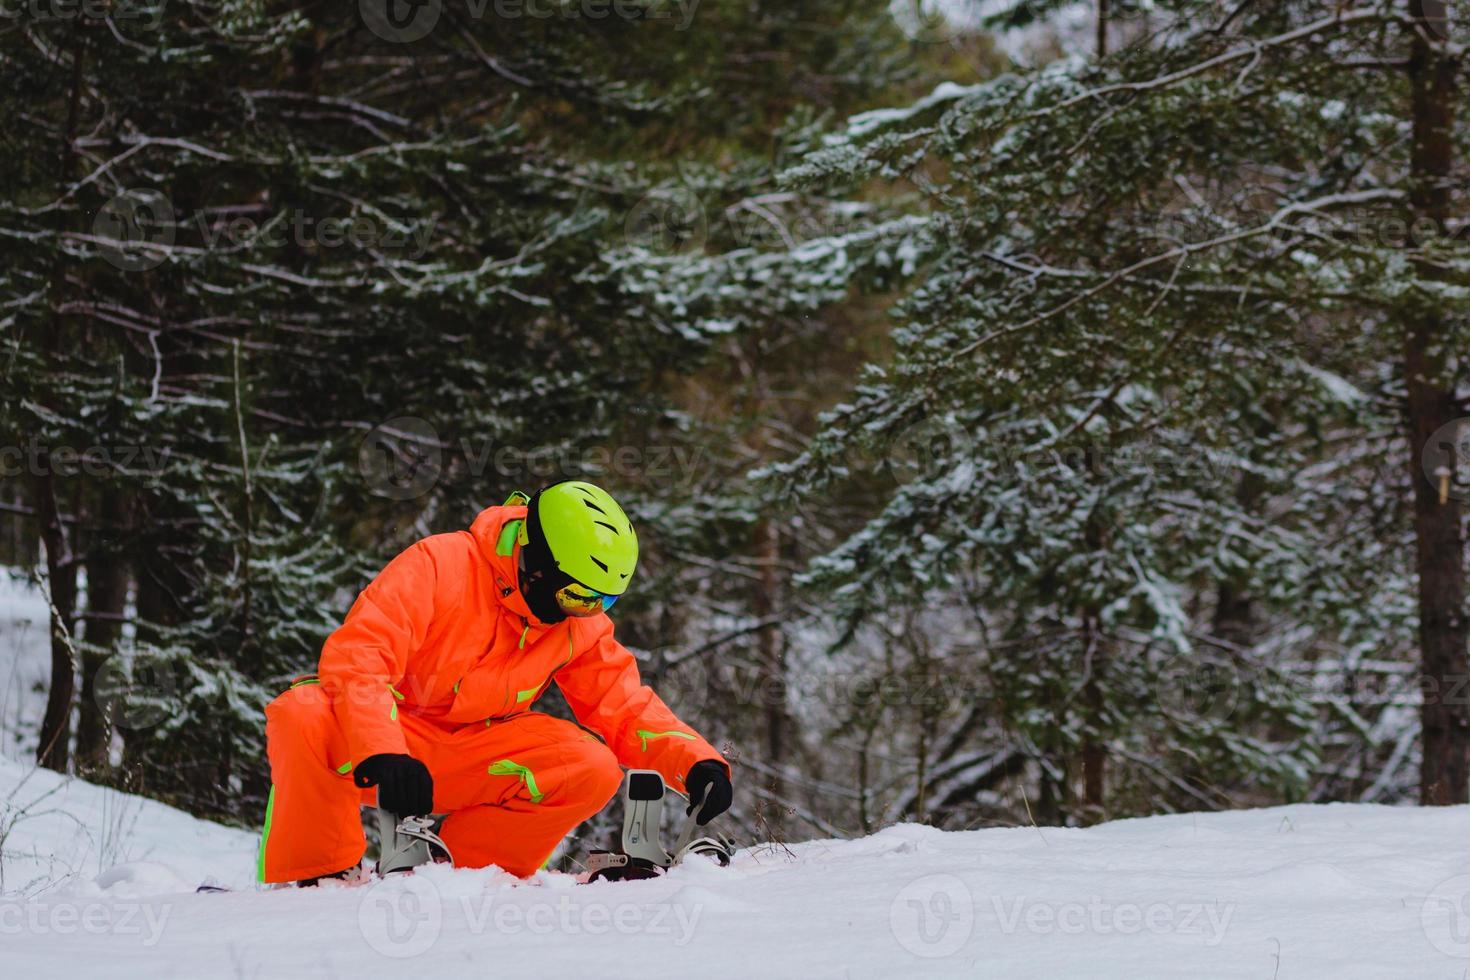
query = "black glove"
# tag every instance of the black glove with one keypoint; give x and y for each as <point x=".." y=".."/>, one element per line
<point x="405" y="787"/>
<point x="714" y="777"/>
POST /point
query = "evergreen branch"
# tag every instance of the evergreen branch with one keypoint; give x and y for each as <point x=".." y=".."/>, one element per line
<point x="1252" y="50"/>
<point x="1183" y="250"/>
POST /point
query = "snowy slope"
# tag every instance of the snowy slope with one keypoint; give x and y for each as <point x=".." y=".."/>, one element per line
<point x="59" y="835"/>
<point x="1303" y="891"/>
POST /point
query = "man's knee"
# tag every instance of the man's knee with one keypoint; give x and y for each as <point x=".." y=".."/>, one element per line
<point x="598" y="772"/>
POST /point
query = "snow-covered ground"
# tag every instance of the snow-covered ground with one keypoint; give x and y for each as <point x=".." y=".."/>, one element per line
<point x="62" y="836"/>
<point x="96" y="883"/>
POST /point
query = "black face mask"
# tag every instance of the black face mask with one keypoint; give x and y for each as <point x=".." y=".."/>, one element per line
<point x="539" y="591"/>
<point x="539" y="578"/>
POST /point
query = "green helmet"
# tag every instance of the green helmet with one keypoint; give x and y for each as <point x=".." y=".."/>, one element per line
<point x="588" y="535"/>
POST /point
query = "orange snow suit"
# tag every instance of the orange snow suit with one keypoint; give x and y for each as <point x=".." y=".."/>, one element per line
<point x="440" y="658"/>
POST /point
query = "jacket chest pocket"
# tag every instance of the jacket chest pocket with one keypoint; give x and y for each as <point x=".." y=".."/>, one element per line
<point x="508" y="677"/>
<point x="530" y="678"/>
<point x="480" y="690"/>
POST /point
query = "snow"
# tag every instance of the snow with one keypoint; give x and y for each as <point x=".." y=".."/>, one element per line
<point x="1299" y="891"/>
<point x="1338" y="387"/>
<point x="66" y="836"/>
<point x="866" y="122"/>
<point x="25" y="665"/>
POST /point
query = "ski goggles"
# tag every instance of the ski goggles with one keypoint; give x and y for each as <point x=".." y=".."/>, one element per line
<point x="578" y="600"/>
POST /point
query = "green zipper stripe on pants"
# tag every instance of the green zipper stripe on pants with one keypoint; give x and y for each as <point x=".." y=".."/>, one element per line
<point x="265" y="833"/>
<point x="507" y="767"/>
<point x="648" y="736"/>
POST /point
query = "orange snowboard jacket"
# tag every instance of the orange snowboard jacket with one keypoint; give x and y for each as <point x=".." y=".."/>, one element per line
<point x="444" y="633"/>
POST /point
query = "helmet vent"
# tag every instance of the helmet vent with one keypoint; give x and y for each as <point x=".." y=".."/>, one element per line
<point x="608" y="526"/>
<point x="595" y="507"/>
<point x="600" y="564"/>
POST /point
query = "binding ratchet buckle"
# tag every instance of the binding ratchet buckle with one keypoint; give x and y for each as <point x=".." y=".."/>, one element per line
<point x="407" y="842"/>
<point x="643" y="854"/>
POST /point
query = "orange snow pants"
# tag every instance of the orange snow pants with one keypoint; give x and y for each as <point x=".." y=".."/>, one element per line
<point x="512" y="789"/>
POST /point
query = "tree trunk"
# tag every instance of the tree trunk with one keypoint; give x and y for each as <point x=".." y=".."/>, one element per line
<point x="1095" y="662"/>
<point x="54" y="747"/>
<point x="159" y="584"/>
<point x="772" y="652"/>
<point x="1431" y="404"/>
<point x="107" y="593"/>
<point x="1234" y="615"/>
<point x="1094" y="748"/>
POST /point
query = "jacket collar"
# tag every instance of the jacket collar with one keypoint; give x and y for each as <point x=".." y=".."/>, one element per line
<point x="495" y="533"/>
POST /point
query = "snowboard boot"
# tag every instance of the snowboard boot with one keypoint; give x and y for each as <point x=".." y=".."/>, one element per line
<point x="407" y="842"/>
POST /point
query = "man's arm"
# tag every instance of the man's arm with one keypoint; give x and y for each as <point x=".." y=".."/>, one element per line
<point x="604" y="690"/>
<point x="368" y="653"/>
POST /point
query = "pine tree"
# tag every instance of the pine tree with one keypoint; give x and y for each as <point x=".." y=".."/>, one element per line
<point x="313" y="288"/>
<point x="1162" y="299"/>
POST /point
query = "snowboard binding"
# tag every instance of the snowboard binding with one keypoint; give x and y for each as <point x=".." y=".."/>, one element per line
<point x="643" y="854"/>
<point x="407" y="842"/>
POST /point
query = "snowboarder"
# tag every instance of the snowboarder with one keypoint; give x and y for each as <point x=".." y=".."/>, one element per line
<point x="422" y="698"/>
